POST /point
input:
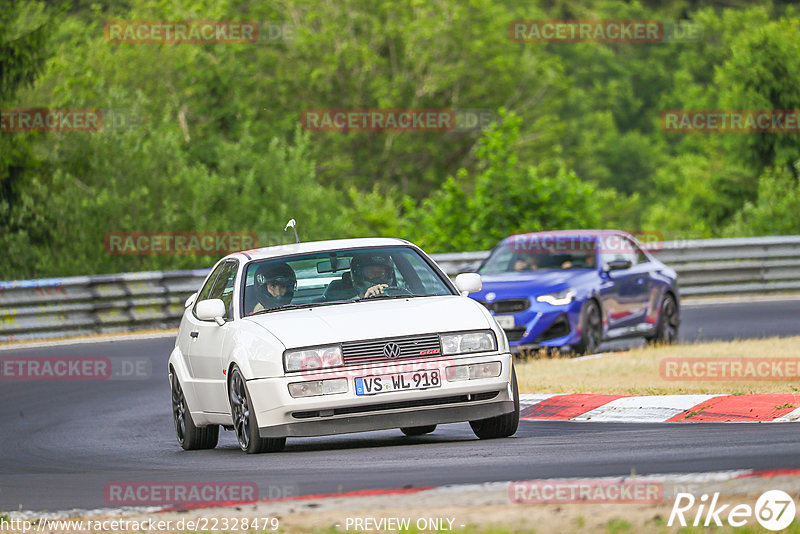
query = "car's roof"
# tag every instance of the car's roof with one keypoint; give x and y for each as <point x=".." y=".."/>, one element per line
<point x="317" y="246"/>
<point x="578" y="232"/>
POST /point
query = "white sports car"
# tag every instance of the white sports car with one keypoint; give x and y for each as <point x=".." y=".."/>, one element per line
<point x="332" y="337"/>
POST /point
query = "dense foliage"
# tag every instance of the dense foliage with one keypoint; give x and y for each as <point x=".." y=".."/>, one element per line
<point x="207" y="137"/>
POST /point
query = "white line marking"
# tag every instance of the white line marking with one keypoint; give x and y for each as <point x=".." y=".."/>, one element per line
<point x="592" y="356"/>
<point x="647" y="409"/>
<point x="528" y="399"/>
<point x="794" y="415"/>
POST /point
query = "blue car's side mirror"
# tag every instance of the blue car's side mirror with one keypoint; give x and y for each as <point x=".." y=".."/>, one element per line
<point x="619" y="265"/>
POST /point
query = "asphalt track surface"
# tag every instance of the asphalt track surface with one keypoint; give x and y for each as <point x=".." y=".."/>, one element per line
<point x="61" y="442"/>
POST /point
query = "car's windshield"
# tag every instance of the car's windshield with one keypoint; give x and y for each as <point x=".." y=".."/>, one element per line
<point x="558" y="253"/>
<point x="333" y="277"/>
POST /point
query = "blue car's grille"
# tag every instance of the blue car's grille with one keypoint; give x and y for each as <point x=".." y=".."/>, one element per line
<point x="508" y="305"/>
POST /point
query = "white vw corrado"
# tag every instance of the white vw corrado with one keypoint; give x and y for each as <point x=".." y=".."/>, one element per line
<point x="337" y="336"/>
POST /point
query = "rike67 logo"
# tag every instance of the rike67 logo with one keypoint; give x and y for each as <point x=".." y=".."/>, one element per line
<point x="774" y="510"/>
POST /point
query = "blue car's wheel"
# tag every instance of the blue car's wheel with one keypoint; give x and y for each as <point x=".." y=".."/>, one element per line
<point x="668" y="322"/>
<point x="591" y="329"/>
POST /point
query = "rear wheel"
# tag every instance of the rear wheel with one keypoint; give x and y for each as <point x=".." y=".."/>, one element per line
<point x="668" y="323"/>
<point x="190" y="437"/>
<point x="591" y="329"/>
<point x="417" y="430"/>
<point x="244" y="419"/>
<point x="501" y="426"/>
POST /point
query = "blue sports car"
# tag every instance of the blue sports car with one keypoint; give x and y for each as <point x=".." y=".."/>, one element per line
<point x="577" y="288"/>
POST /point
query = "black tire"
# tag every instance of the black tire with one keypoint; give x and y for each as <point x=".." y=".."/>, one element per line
<point x="668" y="322"/>
<point x="591" y="329"/>
<point x="244" y="419"/>
<point x="417" y="430"/>
<point x="190" y="436"/>
<point x="501" y="426"/>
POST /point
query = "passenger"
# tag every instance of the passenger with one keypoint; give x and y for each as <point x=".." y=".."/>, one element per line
<point x="274" y="285"/>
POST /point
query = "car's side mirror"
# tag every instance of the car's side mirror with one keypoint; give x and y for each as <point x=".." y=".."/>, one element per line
<point x="467" y="283"/>
<point x="619" y="265"/>
<point x="211" y="310"/>
<point x="190" y="300"/>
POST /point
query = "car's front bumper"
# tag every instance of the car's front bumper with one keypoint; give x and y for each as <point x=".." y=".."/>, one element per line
<point x="279" y="415"/>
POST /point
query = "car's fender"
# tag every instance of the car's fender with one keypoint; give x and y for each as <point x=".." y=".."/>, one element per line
<point x="177" y="365"/>
<point x="502" y="341"/>
<point x="255" y="351"/>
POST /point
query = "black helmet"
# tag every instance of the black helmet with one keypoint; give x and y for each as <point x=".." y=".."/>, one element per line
<point x="275" y="273"/>
<point x="361" y="261"/>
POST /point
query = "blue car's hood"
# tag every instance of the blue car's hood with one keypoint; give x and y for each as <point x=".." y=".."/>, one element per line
<point x="520" y="284"/>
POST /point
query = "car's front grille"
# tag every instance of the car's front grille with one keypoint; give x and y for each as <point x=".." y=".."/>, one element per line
<point x="354" y="352"/>
<point x="508" y="305"/>
<point x="419" y="403"/>
<point x="515" y="334"/>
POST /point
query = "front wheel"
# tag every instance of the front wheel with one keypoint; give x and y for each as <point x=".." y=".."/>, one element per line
<point x="244" y="419"/>
<point x="190" y="437"/>
<point x="591" y="329"/>
<point x="501" y="426"/>
<point x="668" y="323"/>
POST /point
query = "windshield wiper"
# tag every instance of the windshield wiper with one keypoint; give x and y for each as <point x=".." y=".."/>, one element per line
<point x="300" y="306"/>
<point x="387" y="297"/>
<point x="286" y="307"/>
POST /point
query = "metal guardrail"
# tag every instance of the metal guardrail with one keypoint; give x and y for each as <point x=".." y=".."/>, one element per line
<point x="58" y="307"/>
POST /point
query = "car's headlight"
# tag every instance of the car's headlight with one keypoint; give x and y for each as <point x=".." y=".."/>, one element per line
<point x="467" y="342"/>
<point x="559" y="298"/>
<point x="313" y="359"/>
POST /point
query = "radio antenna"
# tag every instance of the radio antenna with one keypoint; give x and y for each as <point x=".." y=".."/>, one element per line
<point x="291" y="224"/>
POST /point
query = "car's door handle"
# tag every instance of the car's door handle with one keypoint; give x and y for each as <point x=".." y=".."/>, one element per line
<point x="194" y="334"/>
<point x="640" y="280"/>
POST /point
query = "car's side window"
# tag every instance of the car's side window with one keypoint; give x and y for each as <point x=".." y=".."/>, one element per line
<point x="617" y="247"/>
<point x="206" y="289"/>
<point x="641" y="257"/>
<point x="223" y="287"/>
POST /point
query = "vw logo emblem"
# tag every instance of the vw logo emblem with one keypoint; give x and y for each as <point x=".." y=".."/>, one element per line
<point x="391" y="350"/>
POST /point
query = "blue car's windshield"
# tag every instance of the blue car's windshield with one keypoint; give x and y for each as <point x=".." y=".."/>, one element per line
<point x="558" y="254"/>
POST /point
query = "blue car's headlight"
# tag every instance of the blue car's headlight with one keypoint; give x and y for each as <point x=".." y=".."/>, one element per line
<point x="559" y="298"/>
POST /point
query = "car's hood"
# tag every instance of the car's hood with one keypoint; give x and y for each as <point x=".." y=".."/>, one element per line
<point x="531" y="283"/>
<point x="372" y="320"/>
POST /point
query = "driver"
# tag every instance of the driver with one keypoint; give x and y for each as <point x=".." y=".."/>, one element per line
<point x="372" y="273"/>
<point x="274" y="285"/>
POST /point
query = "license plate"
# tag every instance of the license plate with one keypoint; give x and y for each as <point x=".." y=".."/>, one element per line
<point x="506" y="322"/>
<point x="371" y="385"/>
